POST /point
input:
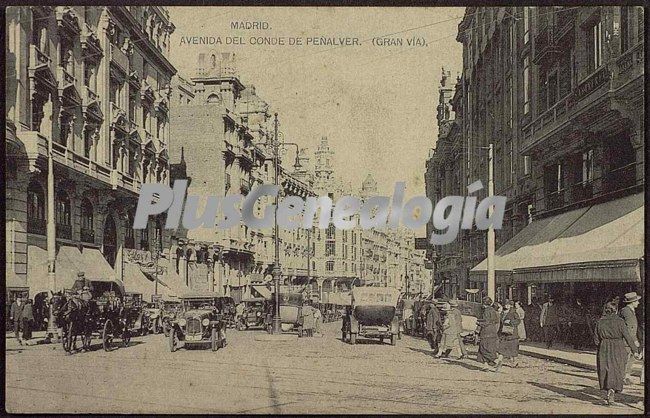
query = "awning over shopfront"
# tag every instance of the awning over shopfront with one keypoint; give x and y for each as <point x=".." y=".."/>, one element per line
<point x="136" y="281"/>
<point x="172" y="280"/>
<point x="13" y="281"/>
<point x="69" y="261"/>
<point x="263" y="291"/>
<point x="603" y="242"/>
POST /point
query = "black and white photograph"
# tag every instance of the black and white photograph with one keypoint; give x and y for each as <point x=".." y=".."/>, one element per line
<point x="216" y="209"/>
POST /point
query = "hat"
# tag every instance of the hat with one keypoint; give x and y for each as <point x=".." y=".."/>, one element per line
<point x="81" y="274"/>
<point x="631" y="297"/>
<point x="487" y="301"/>
<point x="507" y="302"/>
<point x="453" y="302"/>
<point x="446" y="307"/>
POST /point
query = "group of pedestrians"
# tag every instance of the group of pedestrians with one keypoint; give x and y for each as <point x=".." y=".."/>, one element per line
<point x="21" y="314"/>
<point x="499" y="331"/>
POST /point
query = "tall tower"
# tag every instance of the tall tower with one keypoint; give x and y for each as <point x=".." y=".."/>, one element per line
<point x="217" y="80"/>
<point x="323" y="165"/>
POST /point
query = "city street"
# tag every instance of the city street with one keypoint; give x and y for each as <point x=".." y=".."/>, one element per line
<point x="308" y="375"/>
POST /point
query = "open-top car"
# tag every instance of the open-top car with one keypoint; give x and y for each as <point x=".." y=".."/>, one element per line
<point x="199" y="322"/>
<point x="373" y="314"/>
<point x="254" y="313"/>
<point x="291" y="306"/>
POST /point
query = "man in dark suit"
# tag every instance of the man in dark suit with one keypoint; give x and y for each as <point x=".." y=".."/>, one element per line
<point x="631" y="301"/>
<point x="16" y="315"/>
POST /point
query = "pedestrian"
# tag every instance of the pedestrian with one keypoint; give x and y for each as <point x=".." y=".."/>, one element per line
<point x="459" y="320"/>
<point x="549" y="321"/>
<point x="450" y="332"/>
<point x="532" y="319"/>
<point x="433" y="324"/>
<point x="318" y="319"/>
<point x="521" y="328"/>
<point x="16" y="315"/>
<point x="28" y="320"/>
<point x="611" y="337"/>
<point x="631" y="301"/>
<point x="579" y="330"/>
<point x="509" y="333"/>
<point x="239" y="312"/>
<point x="488" y="335"/>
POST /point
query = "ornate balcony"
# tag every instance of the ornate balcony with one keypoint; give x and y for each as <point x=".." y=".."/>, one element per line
<point x="37" y="226"/>
<point x="545" y="44"/>
<point x="90" y="46"/>
<point x="118" y="118"/>
<point x="40" y="67"/>
<point x="120" y="59"/>
<point x="146" y="92"/>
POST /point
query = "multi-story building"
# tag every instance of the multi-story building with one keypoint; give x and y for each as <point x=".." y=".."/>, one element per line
<point x="558" y="92"/>
<point x="92" y="83"/>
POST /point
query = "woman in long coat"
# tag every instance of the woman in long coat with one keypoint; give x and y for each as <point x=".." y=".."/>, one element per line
<point x="509" y="341"/>
<point x="488" y="338"/>
<point x="611" y="336"/>
<point x="433" y="325"/>
<point x="450" y="332"/>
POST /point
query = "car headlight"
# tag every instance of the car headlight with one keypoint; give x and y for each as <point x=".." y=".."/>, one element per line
<point x="205" y="322"/>
<point x="259" y="313"/>
<point x="182" y="322"/>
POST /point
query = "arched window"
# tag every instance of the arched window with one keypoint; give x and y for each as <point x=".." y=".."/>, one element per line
<point x="35" y="208"/>
<point x="87" y="221"/>
<point x="213" y="98"/>
<point x="213" y="60"/>
<point x="63" y="215"/>
<point x="129" y="235"/>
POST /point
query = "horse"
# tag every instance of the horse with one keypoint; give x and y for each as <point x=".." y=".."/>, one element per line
<point x="73" y="316"/>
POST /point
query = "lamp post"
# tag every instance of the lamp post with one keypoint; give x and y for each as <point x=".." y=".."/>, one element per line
<point x="277" y="271"/>
<point x="51" y="235"/>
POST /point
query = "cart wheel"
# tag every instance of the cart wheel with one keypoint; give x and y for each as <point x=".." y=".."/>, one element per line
<point x="213" y="339"/>
<point x="353" y="338"/>
<point x="393" y="339"/>
<point x="66" y="338"/>
<point x="107" y="336"/>
<point x="172" y="340"/>
<point x="126" y="337"/>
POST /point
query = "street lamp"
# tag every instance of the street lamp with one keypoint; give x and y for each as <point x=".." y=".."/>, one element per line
<point x="277" y="271"/>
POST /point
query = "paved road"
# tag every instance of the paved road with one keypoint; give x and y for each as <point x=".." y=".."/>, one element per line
<point x="308" y="375"/>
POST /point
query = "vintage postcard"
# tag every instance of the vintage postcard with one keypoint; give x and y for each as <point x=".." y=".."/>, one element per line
<point x="324" y="210"/>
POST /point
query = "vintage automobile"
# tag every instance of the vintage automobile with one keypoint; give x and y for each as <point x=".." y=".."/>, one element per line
<point x="290" y="312"/>
<point x="138" y="319"/>
<point x="372" y="314"/>
<point x="199" y="322"/>
<point x="254" y="314"/>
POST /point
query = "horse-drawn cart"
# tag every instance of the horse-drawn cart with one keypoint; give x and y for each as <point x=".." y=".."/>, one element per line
<point x="96" y="312"/>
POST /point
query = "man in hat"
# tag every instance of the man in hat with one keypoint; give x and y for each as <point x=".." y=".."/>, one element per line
<point x="458" y="316"/>
<point x="631" y="301"/>
<point x="549" y="321"/>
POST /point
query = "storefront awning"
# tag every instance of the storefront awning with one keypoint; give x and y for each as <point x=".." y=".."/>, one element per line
<point x="263" y="291"/>
<point x="172" y="280"/>
<point x="136" y="281"/>
<point x="603" y="242"/>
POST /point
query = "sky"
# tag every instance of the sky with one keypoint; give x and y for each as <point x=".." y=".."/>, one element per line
<point x="375" y="103"/>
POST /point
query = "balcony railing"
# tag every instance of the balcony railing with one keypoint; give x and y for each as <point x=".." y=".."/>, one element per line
<point x="629" y="65"/>
<point x="545" y="44"/>
<point x="89" y="96"/>
<point x="37" y="226"/>
<point x="87" y="235"/>
<point x="38" y="58"/>
<point x="581" y="191"/>
<point x="555" y="200"/>
<point x="65" y="78"/>
<point x="119" y="58"/>
<point x="620" y="178"/>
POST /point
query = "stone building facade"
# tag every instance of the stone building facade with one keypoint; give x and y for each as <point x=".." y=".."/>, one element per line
<point x="95" y="81"/>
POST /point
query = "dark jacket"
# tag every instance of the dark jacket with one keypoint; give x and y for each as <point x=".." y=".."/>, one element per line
<point x="612" y="336"/>
<point x="28" y="311"/>
<point x="629" y="316"/>
<point x="488" y="323"/>
<point x="16" y="311"/>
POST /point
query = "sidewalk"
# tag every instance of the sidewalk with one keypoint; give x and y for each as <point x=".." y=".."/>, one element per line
<point x="584" y="359"/>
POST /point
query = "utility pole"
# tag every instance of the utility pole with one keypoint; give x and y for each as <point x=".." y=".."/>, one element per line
<point x="491" y="279"/>
<point x="51" y="233"/>
<point x="277" y="322"/>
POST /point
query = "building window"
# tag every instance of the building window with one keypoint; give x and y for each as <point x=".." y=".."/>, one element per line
<point x="63" y="216"/>
<point x="526" y="165"/>
<point x="595" y="45"/>
<point x="330" y="249"/>
<point x="527" y="21"/>
<point x="625" y="28"/>
<point x="588" y="166"/>
<point x="330" y="231"/>
<point x="35" y="208"/>
<point x="329" y="266"/>
<point x="87" y="221"/>
<point x="526" y="85"/>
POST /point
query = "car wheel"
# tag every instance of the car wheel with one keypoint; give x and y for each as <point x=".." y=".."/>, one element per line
<point x="172" y="340"/>
<point x="353" y="338"/>
<point x="213" y="339"/>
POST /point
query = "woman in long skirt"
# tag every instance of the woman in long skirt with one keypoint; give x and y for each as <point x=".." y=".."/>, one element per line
<point x="509" y="333"/>
<point x="521" y="328"/>
<point x="488" y="338"/>
<point x="611" y="336"/>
